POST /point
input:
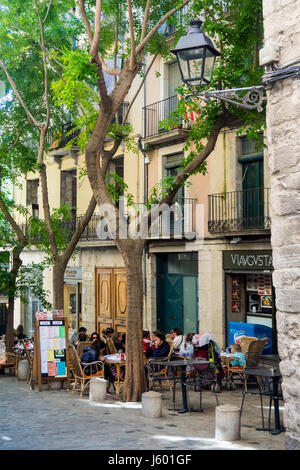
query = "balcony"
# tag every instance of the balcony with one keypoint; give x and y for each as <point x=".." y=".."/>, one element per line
<point x="59" y="139"/>
<point x="155" y="113"/>
<point x="179" y="222"/>
<point x="240" y="212"/>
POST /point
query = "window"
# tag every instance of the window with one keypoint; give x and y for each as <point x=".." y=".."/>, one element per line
<point x="252" y="164"/>
<point x="32" y="196"/>
<point x="68" y="189"/>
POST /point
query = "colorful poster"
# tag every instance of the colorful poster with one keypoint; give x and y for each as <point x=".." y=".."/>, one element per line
<point x="62" y="332"/>
<point x="56" y="343"/>
<point x="61" y="368"/>
<point x="236" y="306"/>
<point x="52" y="369"/>
<point x="50" y="355"/>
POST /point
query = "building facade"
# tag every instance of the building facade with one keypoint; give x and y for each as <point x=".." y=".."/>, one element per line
<point x="283" y="139"/>
<point x="197" y="283"/>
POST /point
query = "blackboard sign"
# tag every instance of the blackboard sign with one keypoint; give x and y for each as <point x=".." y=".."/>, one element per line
<point x="50" y="351"/>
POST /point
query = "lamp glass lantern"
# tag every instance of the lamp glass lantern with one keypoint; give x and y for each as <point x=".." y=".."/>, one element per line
<point x="196" y="56"/>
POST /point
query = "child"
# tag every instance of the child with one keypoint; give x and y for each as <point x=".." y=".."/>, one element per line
<point x="240" y="360"/>
<point x="146" y="340"/>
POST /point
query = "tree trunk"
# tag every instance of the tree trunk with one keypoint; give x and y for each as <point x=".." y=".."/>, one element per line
<point x="135" y="375"/>
<point x="9" y="334"/>
<point x="16" y="264"/>
<point x="58" y="285"/>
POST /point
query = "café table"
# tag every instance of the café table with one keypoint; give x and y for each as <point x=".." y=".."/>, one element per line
<point x="271" y="377"/>
<point x="118" y="365"/>
<point x="182" y="364"/>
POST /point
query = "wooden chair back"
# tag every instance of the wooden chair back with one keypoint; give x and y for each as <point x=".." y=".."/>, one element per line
<point x="75" y="361"/>
<point x="11" y="359"/>
<point x="110" y="346"/>
<point x="254" y="353"/>
<point x="245" y="341"/>
<point x="81" y="346"/>
<point x="171" y="344"/>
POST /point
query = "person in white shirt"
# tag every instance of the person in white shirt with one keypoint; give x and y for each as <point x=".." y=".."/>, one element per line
<point x="187" y="349"/>
<point x="177" y="338"/>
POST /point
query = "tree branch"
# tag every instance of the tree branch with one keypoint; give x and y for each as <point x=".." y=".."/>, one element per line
<point x="97" y="32"/>
<point x="21" y="237"/>
<point x="139" y="88"/>
<point x="44" y="51"/>
<point x="19" y="97"/>
<point x="146" y="17"/>
<point x="147" y="38"/>
<point x="131" y="30"/>
<point x="86" y="22"/>
<point x="201" y="157"/>
<point x="94" y="44"/>
<point x="47" y="13"/>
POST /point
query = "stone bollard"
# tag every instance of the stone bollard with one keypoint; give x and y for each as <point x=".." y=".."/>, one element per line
<point x="97" y="389"/>
<point x="228" y="423"/>
<point x="23" y="369"/>
<point x="151" y="405"/>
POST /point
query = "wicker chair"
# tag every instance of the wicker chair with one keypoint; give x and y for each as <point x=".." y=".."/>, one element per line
<point x="154" y="374"/>
<point x="29" y="357"/>
<point x="253" y="354"/>
<point x="81" y="379"/>
<point x="11" y="363"/>
<point x="245" y="341"/>
<point x="82" y="345"/>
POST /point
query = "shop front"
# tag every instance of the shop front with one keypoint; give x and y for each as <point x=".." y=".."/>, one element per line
<point x="72" y="297"/>
<point x="249" y="292"/>
<point x="177" y="291"/>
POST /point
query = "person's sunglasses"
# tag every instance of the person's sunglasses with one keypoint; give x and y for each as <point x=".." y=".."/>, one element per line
<point x="94" y="337"/>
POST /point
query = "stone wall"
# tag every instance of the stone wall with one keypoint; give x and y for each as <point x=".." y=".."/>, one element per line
<point x="281" y="22"/>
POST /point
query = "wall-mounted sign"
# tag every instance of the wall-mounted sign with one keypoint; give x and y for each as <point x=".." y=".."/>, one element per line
<point x="248" y="259"/>
<point x="74" y="272"/>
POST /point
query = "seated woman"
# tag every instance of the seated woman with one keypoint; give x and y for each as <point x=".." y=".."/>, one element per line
<point x="118" y="342"/>
<point x="187" y="348"/>
<point x="161" y="347"/>
<point x="177" y="338"/>
<point x="92" y="354"/>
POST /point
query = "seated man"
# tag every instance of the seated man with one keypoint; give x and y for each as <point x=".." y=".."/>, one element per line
<point x="80" y="335"/>
<point x="161" y="347"/>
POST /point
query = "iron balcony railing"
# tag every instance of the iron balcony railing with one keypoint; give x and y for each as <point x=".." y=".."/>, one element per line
<point x="160" y="111"/>
<point x="239" y="211"/>
<point x="179" y="221"/>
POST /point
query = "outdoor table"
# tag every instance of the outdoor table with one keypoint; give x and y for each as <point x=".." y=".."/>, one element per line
<point x="118" y="365"/>
<point x="270" y="360"/>
<point x="182" y="365"/>
<point x="274" y="375"/>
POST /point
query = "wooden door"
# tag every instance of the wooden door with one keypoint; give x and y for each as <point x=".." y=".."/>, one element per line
<point x="111" y="299"/>
<point x="103" y="300"/>
<point x="120" y="296"/>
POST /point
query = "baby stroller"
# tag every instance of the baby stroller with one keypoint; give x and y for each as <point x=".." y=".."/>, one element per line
<point x="206" y="347"/>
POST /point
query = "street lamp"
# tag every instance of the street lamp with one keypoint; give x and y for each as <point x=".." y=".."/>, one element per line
<point x="196" y="57"/>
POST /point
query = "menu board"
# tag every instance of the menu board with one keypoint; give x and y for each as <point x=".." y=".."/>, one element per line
<point x="261" y="283"/>
<point x="52" y="334"/>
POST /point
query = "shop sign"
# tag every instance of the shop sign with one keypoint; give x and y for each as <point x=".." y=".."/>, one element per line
<point x="73" y="273"/>
<point x="244" y="259"/>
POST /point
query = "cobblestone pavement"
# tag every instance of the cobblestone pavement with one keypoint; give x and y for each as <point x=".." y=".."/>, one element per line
<point x="58" y="420"/>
